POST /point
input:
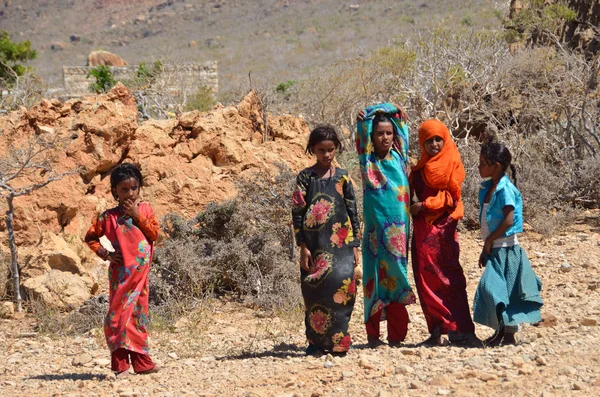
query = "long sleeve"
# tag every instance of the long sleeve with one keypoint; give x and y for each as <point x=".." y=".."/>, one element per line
<point x="350" y="201"/>
<point x="299" y="206"/>
<point x="147" y="222"/>
<point x="442" y="201"/>
<point x="92" y="238"/>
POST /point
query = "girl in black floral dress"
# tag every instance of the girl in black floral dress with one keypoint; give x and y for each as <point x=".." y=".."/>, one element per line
<point x="327" y="229"/>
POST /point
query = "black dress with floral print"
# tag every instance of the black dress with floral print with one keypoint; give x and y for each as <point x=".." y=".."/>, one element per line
<point x="325" y="218"/>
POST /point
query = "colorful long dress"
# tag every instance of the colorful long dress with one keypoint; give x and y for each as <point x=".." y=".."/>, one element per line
<point x="439" y="278"/>
<point x="325" y="219"/>
<point x="386" y="219"/>
<point x="127" y="318"/>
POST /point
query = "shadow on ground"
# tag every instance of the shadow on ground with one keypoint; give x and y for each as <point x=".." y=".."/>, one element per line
<point x="72" y="376"/>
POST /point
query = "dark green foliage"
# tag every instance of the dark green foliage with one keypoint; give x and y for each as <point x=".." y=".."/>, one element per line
<point x="12" y="56"/>
<point x="104" y="79"/>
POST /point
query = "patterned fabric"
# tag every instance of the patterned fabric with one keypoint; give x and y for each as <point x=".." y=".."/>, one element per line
<point x="506" y="194"/>
<point x="386" y="219"/>
<point x="325" y="219"/>
<point x="509" y="290"/>
<point x="439" y="278"/>
<point x="127" y="318"/>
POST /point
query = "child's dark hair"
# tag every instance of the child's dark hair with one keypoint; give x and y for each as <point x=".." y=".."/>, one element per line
<point x="496" y="152"/>
<point x="123" y="172"/>
<point x="320" y="134"/>
<point x="382" y="118"/>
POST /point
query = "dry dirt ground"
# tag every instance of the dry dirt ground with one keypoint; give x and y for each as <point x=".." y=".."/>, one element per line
<point x="230" y="350"/>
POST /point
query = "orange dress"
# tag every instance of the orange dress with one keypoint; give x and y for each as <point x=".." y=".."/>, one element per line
<point x="127" y="318"/>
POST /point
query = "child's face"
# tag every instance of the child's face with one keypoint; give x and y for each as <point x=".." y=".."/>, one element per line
<point x="127" y="189"/>
<point x="486" y="169"/>
<point x="325" y="152"/>
<point x="433" y="145"/>
<point x="383" y="136"/>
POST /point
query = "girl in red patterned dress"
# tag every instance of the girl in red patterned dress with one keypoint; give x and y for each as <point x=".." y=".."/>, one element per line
<point x="131" y="228"/>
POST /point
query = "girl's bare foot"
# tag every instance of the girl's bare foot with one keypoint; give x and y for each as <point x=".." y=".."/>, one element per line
<point x="122" y="374"/>
<point x="150" y="371"/>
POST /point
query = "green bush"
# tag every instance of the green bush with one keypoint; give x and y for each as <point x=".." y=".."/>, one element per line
<point x="104" y="79"/>
<point x="202" y="100"/>
<point x="12" y="56"/>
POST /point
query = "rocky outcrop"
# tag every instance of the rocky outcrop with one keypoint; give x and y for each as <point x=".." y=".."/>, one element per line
<point x="105" y="58"/>
<point x="186" y="163"/>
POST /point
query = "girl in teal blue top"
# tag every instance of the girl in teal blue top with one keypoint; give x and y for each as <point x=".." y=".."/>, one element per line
<point x="509" y="291"/>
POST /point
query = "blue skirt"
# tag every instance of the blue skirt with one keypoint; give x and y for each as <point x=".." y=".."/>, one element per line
<point x="509" y="290"/>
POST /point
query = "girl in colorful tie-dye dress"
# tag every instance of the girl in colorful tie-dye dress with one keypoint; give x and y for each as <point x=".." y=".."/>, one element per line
<point x="131" y="228"/>
<point x="382" y="146"/>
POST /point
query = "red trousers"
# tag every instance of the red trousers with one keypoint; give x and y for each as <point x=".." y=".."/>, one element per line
<point x="397" y="322"/>
<point x="120" y="361"/>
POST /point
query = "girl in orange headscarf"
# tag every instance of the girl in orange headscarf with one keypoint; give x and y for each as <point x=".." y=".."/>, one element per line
<point x="436" y="182"/>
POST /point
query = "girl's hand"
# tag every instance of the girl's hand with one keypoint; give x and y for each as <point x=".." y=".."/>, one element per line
<point x="402" y="111"/>
<point x="130" y="207"/>
<point x="416" y="208"/>
<point x="360" y="116"/>
<point x="356" y="260"/>
<point x="116" y="257"/>
<point x="487" y="246"/>
<point x="305" y="257"/>
<point x="482" y="259"/>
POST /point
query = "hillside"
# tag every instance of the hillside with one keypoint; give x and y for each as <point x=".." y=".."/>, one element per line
<point x="276" y="40"/>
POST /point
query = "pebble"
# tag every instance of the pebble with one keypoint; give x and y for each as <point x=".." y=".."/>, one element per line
<point x="541" y="361"/>
<point x="173" y="355"/>
<point x="365" y="364"/>
<point x="526" y="370"/>
<point x="567" y="370"/>
<point x="82" y="359"/>
<point x="404" y="369"/>
<point x="518" y="362"/>
<point x="384" y="393"/>
<point x="486" y="377"/>
<point x="589" y="322"/>
<point x="443" y="392"/>
<point x="103" y="362"/>
<point x="439" y="380"/>
<point x="476" y="362"/>
<point x="578" y="386"/>
<point x="328" y="364"/>
<point x="347" y="374"/>
<point x="565" y="267"/>
<point x="414" y="385"/>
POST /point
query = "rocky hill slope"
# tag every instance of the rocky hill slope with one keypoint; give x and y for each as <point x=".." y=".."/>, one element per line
<point x="277" y="40"/>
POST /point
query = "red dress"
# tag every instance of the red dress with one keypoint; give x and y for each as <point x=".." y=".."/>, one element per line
<point x="127" y="318"/>
<point x="439" y="278"/>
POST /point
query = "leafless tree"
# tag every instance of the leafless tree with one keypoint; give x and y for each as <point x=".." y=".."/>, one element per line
<point x="25" y="168"/>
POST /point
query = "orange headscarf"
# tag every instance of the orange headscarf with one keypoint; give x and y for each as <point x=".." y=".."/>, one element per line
<point x="444" y="171"/>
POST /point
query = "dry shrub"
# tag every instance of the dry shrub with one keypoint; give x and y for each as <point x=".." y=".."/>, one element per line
<point x="84" y="319"/>
<point x="241" y="247"/>
<point x="543" y="102"/>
